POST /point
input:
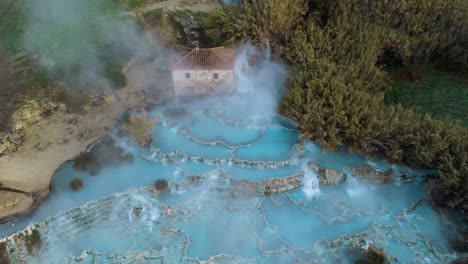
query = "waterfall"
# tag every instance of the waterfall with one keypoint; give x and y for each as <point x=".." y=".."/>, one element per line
<point x="146" y="211"/>
<point x="354" y="188"/>
<point x="310" y="182"/>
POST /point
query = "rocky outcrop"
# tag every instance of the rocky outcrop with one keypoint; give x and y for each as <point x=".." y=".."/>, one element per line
<point x="16" y="248"/>
<point x="10" y="142"/>
<point x="328" y="176"/>
<point x="366" y="173"/>
<point x="372" y="255"/>
<point x="243" y="187"/>
<point x="268" y="186"/>
<point x="32" y="111"/>
<point x="28" y="113"/>
<point x="279" y="185"/>
<point x="371" y="175"/>
<point x="51" y="137"/>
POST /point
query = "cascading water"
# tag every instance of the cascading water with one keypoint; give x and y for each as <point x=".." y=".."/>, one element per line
<point x="144" y="211"/>
<point x="240" y="192"/>
<point x="311" y="182"/>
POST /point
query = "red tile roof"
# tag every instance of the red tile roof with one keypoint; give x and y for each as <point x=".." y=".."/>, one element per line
<point x="206" y="59"/>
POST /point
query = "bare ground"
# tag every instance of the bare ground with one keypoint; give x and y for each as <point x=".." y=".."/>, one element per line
<point x="26" y="174"/>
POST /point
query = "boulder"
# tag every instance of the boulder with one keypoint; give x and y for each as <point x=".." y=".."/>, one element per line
<point x="371" y="175"/>
<point x="30" y="112"/>
<point x="280" y="185"/>
<point x="328" y="176"/>
<point x="372" y="255"/>
<point x="10" y="142"/>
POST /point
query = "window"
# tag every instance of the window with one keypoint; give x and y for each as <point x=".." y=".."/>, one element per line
<point x="215" y="76"/>
<point x="187" y="75"/>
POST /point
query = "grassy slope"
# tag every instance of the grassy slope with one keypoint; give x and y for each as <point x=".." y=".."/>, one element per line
<point x="11" y="20"/>
<point x="27" y="78"/>
<point x="439" y="93"/>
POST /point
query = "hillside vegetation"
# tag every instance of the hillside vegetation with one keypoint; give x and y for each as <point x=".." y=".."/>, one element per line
<point x="431" y="90"/>
<point x="339" y="51"/>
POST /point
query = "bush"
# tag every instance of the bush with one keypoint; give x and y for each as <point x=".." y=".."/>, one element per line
<point x="338" y="51"/>
<point x="76" y="184"/>
<point x="87" y="161"/>
<point x="161" y="185"/>
<point x="259" y="21"/>
<point x="105" y="153"/>
<point x="140" y="127"/>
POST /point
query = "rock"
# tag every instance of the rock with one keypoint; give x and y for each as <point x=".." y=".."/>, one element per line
<point x="196" y="180"/>
<point x="137" y="210"/>
<point x="267" y="186"/>
<point x="4" y="253"/>
<point x="371" y="175"/>
<point x="62" y="107"/>
<point x="30" y="112"/>
<point x="109" y="98"/>
<point x="98" y="102"/>
<point x="72" y="120"/>
<point x="460" y="260"/>
<point x="47" y="107"/>
<point x="9" y="143"/>
<point x="328" y="176"/>
<point x="279" y="185"/>
<point x="372" y="255"/>
<point x="3" y="148"/>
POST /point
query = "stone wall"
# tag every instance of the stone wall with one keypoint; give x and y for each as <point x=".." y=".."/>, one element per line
<point x="202" y="82"/>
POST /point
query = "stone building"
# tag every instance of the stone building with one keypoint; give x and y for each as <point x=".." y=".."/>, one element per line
<point x="204" y="71"/>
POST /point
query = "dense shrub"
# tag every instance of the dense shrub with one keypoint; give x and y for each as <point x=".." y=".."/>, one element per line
<point x="338" y="51"/>
<point x="260" y="21"/>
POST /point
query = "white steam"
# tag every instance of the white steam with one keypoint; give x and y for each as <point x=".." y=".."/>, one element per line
<point x="78" y="40"/>
<point x="259" y="81"/>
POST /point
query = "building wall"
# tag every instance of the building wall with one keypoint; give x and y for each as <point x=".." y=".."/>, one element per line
<point x="202" y="82"/>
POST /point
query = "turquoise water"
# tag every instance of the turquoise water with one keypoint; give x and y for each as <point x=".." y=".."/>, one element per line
<point x="218" y="139"/>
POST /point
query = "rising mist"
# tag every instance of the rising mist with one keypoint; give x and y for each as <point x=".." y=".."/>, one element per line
<point x="86" y="42"/>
